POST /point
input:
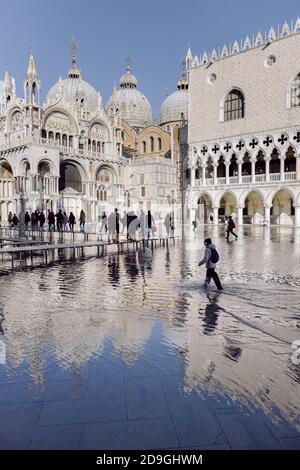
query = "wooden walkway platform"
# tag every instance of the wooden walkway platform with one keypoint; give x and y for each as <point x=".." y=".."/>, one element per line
<point x="49" y="249"/>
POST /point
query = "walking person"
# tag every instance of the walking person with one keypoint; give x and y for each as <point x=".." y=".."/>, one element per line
<point x="27" y="220"/>
<point x="72" y="221"/>
<point x="103" y="223"/>
<point x="150" y="224"/>
<point x="10" y="218"/>
<point x="65" y="221"/>
<point x="230" y="227"/>
<point x="82" y="221"/>
<point x="59" y="220"/>
<point x="210" y="259"/>
<point x="42" y="220"/>
<point x="51" y="220"/>
<point x="117" y="218"/>
<point x="15" y="221"/>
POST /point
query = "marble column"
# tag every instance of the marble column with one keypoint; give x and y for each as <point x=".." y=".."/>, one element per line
<point x="216" y="215"/>
<point x="267" y="169"/>
<point x="240" y="172"/>
<point x="227" y="172"/>
<point x="297" y="215"/>
<point x="298" y="167"/>
<point x="215" y="175"/>
<point x="253" y="160"/>
<point x="192" y="170"/>
<point x="282" y="168"/>
<point x="240" y="214"/>
<point x="267" y="213"/>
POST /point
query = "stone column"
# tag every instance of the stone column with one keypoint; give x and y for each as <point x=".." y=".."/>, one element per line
<point x="297" y="215"/>
<point x="203" y="174"/>
<point x="253" y="160"/>
<point x="282" y="168"/>
<point x="298" y="167"/>
<point x="215" y="177"/>
<point x="240" y="172"/>
<point x="267" y="213"/>
<point x="267" y="169"/>
<point x="240" y="214"/>
<point x="192" y="176"/>
<point x="216" y="214"/>
<point x="227" y="172"/>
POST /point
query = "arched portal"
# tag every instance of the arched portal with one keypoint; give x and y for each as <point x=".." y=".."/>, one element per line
<point x="70" y="177"/>
<point x="253" y="212"/>
<point x="227" y="205"/>
<point x="6" y="190"/>
<point x="282" y="210"/>
<point x="204" y="209"/>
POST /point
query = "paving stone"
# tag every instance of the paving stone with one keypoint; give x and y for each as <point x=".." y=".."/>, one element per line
<point x="83" y="411"/>
<point x="17" y="424"/>
<point x="195" y="424"/>
<point x="145" y="398"/>
<point x="136" y="434"/>
<point x="64" y="437"/>
<point x="246" y="432"/>
<point x="291" y="443"/>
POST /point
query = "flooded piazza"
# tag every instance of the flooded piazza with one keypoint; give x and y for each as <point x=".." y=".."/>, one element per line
<point x="113" y="353"/>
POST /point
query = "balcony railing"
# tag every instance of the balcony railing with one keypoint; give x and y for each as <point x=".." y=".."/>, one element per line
<point x="247" y="179"/>
<point x="290" y="176"/>
<point x="221" y="181"/>
<point x="274" y="176"/>
<point x="260" y="178"/>
<point x="233" y="179"/>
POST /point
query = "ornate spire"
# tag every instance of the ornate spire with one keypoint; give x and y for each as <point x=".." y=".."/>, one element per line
<point x="7" y="83"/>
<point x="31" y="74"/>
<point x="128" y="63"/>
<point x="128" y="80"/>
<point x="74" y="72"/>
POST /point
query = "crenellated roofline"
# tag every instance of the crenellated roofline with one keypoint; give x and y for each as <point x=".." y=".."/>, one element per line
<point x="258" y="40"/>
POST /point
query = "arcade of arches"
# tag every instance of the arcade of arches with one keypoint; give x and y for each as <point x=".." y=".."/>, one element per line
<point x="279" y="209"/>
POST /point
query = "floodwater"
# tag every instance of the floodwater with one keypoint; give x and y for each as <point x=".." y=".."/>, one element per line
<point x="114" y="353"/>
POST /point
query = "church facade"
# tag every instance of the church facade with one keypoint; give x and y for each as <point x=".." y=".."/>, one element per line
<point x="73" y="153"/>
<point x="244" y="131"/>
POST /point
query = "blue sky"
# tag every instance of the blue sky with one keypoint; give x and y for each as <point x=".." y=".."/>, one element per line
<point x="155" y="33"/>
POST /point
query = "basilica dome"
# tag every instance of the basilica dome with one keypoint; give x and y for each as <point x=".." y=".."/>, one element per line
<point x="74" y="90"/>
<point x="134" y="107"/>
<point x="176" y="104"/>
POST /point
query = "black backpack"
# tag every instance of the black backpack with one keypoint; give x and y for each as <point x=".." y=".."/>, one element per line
<point x="214" y="256"/>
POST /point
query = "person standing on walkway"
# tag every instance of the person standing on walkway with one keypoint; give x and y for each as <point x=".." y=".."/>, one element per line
<point x="10" y="218"/>
<point x="72" y="221"/>
<point x="42" y="220"/>
<point x="27" y="220"/>
<point x="51" y="220"/>
<point x="150" y="224"/>
<point x="103" y="223"/>
<point x="15" y="221"/>
<point x="82" y="221"/>
<point x="65" y="221"/>
<point x="210" y="259"/>
<point x="230" y="227"/>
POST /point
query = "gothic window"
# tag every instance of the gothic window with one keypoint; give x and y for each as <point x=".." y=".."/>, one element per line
<point x="64" y="140"/>
<point x="159" y="144"/>
<point x="295" y="92"/>
<point x="234" y="105"/>
<point x="144" y="147"/>
<point x="71" y="141"/>
<point x="152" y="144"/>
<point x="51" y="135"/>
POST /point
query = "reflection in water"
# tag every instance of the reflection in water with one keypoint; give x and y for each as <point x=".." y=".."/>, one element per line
<point x="235" y="344"/>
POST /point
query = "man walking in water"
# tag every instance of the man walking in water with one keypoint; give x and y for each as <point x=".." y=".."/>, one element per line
<point x="230" y="227"/>
<point x="210" y="259"/>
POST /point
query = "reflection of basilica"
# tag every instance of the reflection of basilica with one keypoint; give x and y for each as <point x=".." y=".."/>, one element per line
<point x="73" y="153"/>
